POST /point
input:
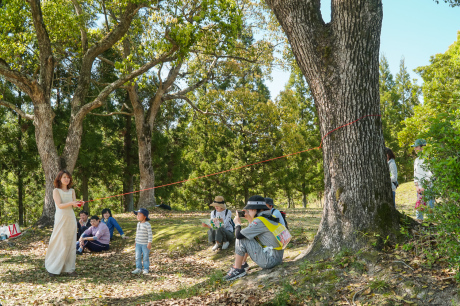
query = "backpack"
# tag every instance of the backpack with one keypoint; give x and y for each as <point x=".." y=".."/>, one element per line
<point x="283" y="214"/>
<point x="231" y="221"/>
<point x="280" y="232"/>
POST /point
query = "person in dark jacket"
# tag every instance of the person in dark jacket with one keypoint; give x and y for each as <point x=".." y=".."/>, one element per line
<point x="83" y="223"/>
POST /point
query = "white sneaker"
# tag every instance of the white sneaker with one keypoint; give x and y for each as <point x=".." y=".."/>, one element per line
<point x="216" y="246"/>
<point x="225" y="245"/>
<point x="137" y="271"/>
<point x="145" y="271"/>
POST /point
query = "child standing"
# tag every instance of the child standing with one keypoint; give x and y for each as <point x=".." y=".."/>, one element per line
<point x="143" y="241"/>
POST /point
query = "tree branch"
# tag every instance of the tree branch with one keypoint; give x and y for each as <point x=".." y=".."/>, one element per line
<point x="44" y="45"/>
<point x="104" y="44"/>
<point x="84" y="36"/>
<point x="17" y="110"/>
<point x="17" y="78"/>
<point x="106" y="60"/>
<point x="108" y="89"/>
<point x="112" y="113"/>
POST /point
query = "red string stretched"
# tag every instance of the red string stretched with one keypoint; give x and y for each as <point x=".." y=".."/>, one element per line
<point x="237" y="168"/>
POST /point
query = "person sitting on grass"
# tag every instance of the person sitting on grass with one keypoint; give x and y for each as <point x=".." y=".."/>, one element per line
<point x="256" y="240"/>
<point x="96" y="238"/>
<point x="111" y="223"/>
<point x="275" y="212"/>
<point x="83" y="223"/>
<point x="143" y="241"/>
<point x="223" y="234"/>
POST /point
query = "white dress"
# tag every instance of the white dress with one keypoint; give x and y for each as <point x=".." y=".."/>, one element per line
<point x="61" y="254"/>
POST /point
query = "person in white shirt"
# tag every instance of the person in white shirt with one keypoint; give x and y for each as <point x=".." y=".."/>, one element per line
<point x="222" y="234"/>
<point x="393" y="173"/>
<point x="422" y="177"/>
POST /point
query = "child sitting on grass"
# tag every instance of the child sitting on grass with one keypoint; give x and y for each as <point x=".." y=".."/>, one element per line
<point x="143" y="241"/>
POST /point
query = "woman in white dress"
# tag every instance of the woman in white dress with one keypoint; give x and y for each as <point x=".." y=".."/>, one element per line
<point x="61" y="254"/>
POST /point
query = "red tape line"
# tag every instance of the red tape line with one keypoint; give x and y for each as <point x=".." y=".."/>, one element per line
<point x="233" y="169"/>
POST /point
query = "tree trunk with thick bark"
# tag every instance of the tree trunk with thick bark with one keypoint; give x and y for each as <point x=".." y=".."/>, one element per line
<point x="340" y="61"/>
<point x="128" y="181"/>
<point x="144" y="139"/>
<point x="85" y="192"/>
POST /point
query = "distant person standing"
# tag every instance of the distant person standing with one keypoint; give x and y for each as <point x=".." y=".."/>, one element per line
<point x="60" y="255"/>
<point x="393" y="173"/>
<point x="422" y="177"/>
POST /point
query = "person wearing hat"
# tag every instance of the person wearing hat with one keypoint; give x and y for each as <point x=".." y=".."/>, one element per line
<point x="249" y="240"/>
<point x="275" y="212"/>
<point x="222" y="235"/>
<point x="143" y="241"/>
<point x="422" y="176"/>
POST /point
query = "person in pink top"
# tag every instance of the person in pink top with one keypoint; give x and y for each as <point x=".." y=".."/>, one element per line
<point x="96" y="238"/>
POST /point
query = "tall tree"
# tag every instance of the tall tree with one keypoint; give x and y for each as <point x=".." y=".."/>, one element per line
<point x="300" y="131"/>
<point x="340" y="61"/>
<point x="61" y="34"/>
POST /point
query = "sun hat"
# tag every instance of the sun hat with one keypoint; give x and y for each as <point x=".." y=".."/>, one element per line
<point x="143" y="211"/>
<point x="219" y="202"/>
<point x="419" y="142"/>
<point x="256" y="202"/>
<point x="269" y="201"/>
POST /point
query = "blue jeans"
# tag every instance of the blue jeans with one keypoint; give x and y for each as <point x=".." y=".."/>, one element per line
<point x="419" y="214"/>
<point x="142" y="253"/>
<point x="394" y="198"/>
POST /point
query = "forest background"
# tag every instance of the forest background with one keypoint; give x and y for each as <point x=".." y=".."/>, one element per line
<point x="212" y="108"/>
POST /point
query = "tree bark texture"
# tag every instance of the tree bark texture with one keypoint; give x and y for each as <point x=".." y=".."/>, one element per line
<point x="128" y="181"/>
<point x="144" y="138"/>
<point x="340" y="61"/>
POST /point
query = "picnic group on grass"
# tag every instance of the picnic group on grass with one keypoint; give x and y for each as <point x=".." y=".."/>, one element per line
<point x="263" y="240"/>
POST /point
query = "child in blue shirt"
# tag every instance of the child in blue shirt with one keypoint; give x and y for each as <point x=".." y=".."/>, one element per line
<point x="111" y="223"/>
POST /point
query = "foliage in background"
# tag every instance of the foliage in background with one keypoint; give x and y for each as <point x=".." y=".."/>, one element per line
<point x="438" y="121"/>
<point x="398" y="97"/>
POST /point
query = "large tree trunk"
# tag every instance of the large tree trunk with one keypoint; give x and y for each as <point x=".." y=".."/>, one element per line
<point x="43" y="121"/>
<point x="144" y="139"/>
<point x="128" y="181"/>
<point x="85" y="192"/>
<point x="340" y="62"/>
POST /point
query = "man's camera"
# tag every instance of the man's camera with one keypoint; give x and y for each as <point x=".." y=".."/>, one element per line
<point x="241" y="213"/>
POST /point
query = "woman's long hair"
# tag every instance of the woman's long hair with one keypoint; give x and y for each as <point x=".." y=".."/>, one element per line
<point x="390" y="154"/>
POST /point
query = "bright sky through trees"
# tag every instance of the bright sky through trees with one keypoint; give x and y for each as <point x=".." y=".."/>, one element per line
<point x="413" y="29"/>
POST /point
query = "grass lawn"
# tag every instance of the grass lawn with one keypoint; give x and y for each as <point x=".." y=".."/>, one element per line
<point x="184" y="270"/>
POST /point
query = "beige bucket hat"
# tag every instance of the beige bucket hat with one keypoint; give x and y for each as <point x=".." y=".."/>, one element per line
<point x="219" y="202"/>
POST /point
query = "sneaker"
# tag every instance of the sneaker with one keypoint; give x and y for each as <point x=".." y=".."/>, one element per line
<point x="245" y="266"/>
<point x="145" y="271"/>
<point x="234" y="274"/>
<point x="216" y="246"/>
<point x="137" y="271"/>
<point x="225" y="245"/>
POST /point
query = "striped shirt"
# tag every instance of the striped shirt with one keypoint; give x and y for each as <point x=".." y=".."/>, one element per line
<point x="143" y="233"/>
